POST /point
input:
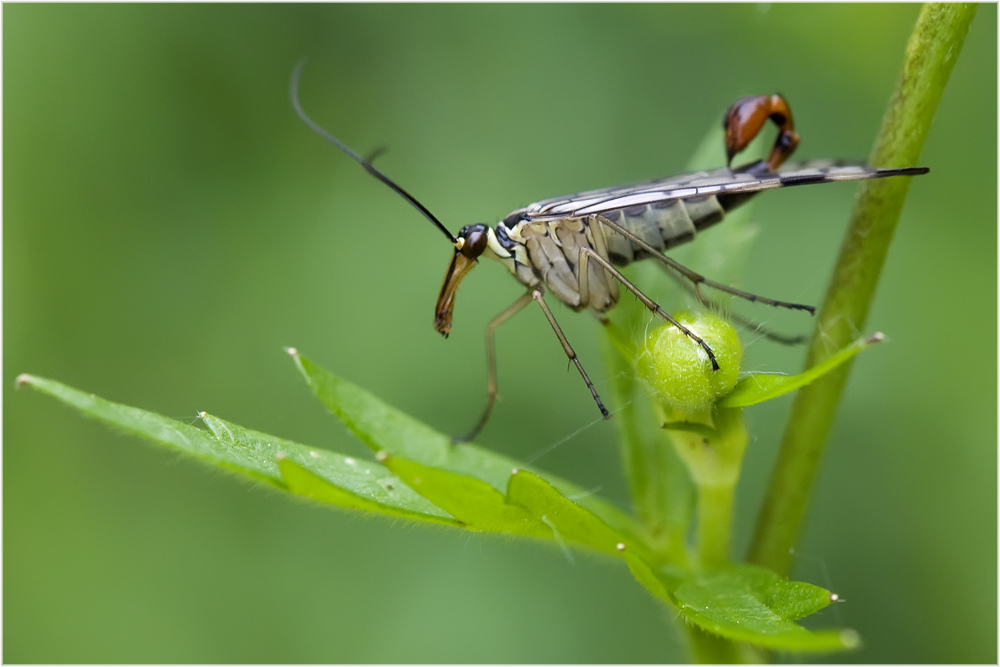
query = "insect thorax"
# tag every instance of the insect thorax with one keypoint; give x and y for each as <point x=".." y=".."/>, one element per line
<point x="547" y="252"/>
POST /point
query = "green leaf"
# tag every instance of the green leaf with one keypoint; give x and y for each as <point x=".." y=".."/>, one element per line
<point x="166" y="431"/>
<point x="789" y="600"/>
<point x="757" y="388"/>
<point x="648" y="578"/>
<point x="566" y="520"/>
<point x="383" y="428"/>
<point x="324" y="475"/>
<point x="740" y="603"/>
<point x="475" y="503"/>
<point x="302" y="482"/>
<point x="531" y="507"/>
<point x="752" y="604"/>
<point x="745" y="603"/>
<point x="314" y="473"/>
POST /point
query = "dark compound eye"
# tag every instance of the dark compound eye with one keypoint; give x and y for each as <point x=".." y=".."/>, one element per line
<point x="476" y="238"/>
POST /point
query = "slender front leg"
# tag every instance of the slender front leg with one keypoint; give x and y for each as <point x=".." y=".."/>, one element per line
<point x="491" y="365"/>
<point x="536" y="294"/>
<point x="586" y="253"/>
<point x="696" y="277"/>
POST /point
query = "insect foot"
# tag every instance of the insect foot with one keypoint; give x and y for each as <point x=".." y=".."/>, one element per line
<point x="680" y="372"/>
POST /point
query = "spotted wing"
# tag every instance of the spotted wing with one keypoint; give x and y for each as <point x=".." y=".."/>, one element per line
<point x="720" y="182"/>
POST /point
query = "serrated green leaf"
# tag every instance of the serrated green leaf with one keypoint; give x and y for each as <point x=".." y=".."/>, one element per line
<point x="745" y="603"/>
<point x="751" y="604"/>
<point x="384" y="428"/>
<point x="788" y="600"/>
<point x="472" y="501"/>
<point x="531" y="507"/>
<point x="567" y="521"/>
<point x="757" y="388"/>
<point x="166" y="431"/>
<point x="741" y="603"/>
<point x="325" y="476"/>
<point x="302" y="482"/>
<point x="648" y="578"/>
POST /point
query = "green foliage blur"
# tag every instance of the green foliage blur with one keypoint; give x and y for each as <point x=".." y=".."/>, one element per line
<point x="169" y="226"/>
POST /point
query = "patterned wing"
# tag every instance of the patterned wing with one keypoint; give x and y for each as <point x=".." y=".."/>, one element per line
<point x="750" y="179"/>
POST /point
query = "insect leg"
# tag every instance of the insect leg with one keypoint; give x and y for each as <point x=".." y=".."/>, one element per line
<point x="744" y="322"/>
<point x="491" y="365"/>
<point x="586" y="253"/>
<point x="696" y="277"/>
<point x="536" y="294"/>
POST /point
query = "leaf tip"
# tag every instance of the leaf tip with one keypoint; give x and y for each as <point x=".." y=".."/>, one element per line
<point x="876" y="337"/>
<point x="202" y="414"/>
<point x="23" y="379"/>
<point x="381" y="456"/>
<point x="292" y="351"/>
<point x="514" y="472"/>
<point x="850" y="638"/>
<point x="834" y="597"/>
<point x="280" y="456"/>
<point x="620" y="546"/>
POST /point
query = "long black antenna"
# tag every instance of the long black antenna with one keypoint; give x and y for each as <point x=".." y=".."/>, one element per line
<point x="293" y="92"/>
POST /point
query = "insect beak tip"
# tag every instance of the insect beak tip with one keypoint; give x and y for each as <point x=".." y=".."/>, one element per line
<point x="442" y="324"/>
<point x="457" y="270"/>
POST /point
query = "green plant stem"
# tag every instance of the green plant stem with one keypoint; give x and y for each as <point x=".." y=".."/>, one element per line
<point x="930" y="55"/>
<point x="715" y="522"/>
<point x="713" y="457"/>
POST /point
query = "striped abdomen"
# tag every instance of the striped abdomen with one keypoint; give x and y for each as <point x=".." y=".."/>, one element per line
<point x="662" y="225"/>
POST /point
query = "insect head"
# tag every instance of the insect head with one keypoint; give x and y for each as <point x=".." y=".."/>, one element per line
<point x="470" y="244"/>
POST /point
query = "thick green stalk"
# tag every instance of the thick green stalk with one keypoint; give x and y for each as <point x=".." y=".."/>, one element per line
<point x="715" y="523"/>
<point x="930" y="55"/>
<point x="713" y="456"/>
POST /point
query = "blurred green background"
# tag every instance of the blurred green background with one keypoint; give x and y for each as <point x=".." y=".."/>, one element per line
<point x="169" y="226"/>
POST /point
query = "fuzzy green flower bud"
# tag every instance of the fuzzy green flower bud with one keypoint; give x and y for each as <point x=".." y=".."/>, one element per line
<point x="678" y="369"/>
